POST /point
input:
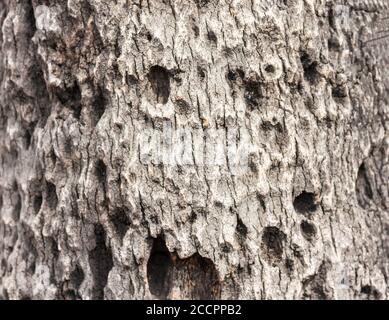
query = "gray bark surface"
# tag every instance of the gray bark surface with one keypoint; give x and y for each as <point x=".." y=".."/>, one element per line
<point x="86" y="213"/>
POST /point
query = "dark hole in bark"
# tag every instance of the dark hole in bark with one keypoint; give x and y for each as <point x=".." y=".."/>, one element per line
<point x="310" y="68"/>
<point x="13" y="153"/>
<point x="9" y="268"/>
<point x="31" y="266"/>
<point x="363" y="187"/>
<point x="193" y="216"/>
<point x="115" y="69"/>
<point x="252" y="94"/>
<point x="289" y="265"/>
<point x="51" y="195"/>
<point x="228" y="52"/>
<point x="120" y="221"/>
<point x="253" y="162"/>
<point x="51" y="252"/>
<point x="203" y="282"/>
<point x="86" y="10"/>
<point x="366" y="289"/>
<point x="99" y="106"/>
<point x="268" y="126"/>
<point x="30" y="19"/>
<point x="305" y="203"/>
<point x="241" y="229"/>
<point x="196" y="276"/>
<point x="262" y="202"/>
<point x="101" y="171"/>
<point x="70" y="288"/>
<point x="28" y="249"/>
<point x="17" y="207"/>
<point x="69" y="294"/>
<point x="5" y="295"/>
<point x="226" y="247"/>
<point x="334" y="44"/>
<point x="37" y="203"/>
<point x="159" y="79"/>
<point x="273" y="243"/>
<point x="182" y="106"/>
<point x="212" y="36"/>
<point x="178" y="79"/>
<point x="331" y="17"/>
<point x="71" y="97"/>
<point x="308" y="230"/>
<point x="159" y="269"/>
<point x="201" y="73"/>
<point x="100" y="261"/>
<point x="218" y="204"/>
<point x="371" y="292"/>
<point x="131" y="80"/>
<point x="270" y="68"/>
<point x="52" y="245"/>
<point x="339" y="92"/>
<point x="77" y="276"/>
<point x="98" y="42"/>
<point x="118" y="127"/>
<point x="233" y="75"/>
<point x="201" y="3"/>
<point x="314" y="286"/>
<point x="52" y="157"/>
<point x="3" y="264"/>
<point x="27" y="138"/>
<point x="68" y="145"/>
<point x="41" y="93"/>
<point x="196" y="31"/>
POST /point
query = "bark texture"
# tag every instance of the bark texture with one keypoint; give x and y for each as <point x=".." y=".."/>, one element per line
<point x="304" y="82"/>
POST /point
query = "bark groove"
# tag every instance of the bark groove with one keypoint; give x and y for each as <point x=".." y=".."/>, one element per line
<point x="91" y="209"/>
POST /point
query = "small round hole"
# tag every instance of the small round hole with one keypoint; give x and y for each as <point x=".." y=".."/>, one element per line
<point x="305" y="203"/>
<point x="270" y="68"/>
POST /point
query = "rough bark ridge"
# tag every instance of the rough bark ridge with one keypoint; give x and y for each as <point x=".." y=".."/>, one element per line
<point x="305" y="82"/>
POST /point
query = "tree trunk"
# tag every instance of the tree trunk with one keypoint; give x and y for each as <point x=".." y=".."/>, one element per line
<point x="186" y="149"/>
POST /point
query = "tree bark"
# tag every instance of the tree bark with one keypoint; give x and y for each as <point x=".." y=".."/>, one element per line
<point x="186" y="149"/>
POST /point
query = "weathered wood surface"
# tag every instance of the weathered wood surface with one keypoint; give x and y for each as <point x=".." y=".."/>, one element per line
<point x="90" y="208"/>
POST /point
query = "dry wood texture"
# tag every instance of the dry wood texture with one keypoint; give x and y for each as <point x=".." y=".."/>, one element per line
<point x="194" y="149"/>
